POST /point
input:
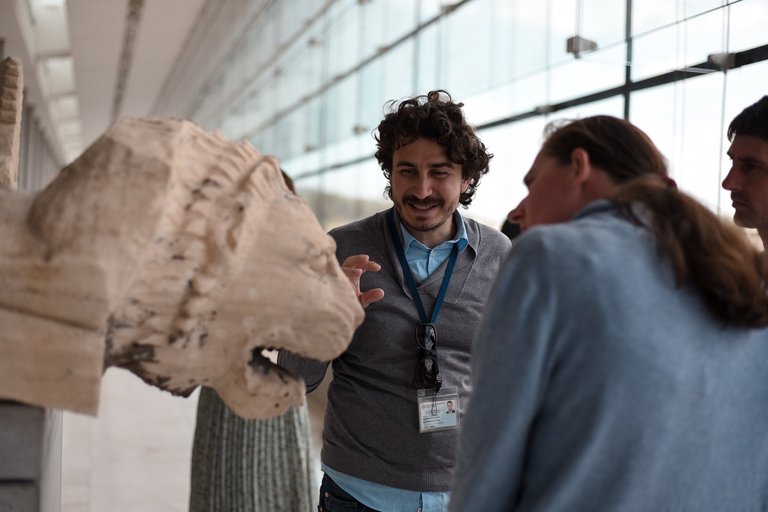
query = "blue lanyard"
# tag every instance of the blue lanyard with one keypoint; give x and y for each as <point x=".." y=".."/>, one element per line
<point x="409" y="274"/>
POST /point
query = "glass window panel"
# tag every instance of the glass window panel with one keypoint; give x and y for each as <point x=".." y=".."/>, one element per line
<point x="521" y="96"/>
<point x="603" y="21"/>
<point x="341" y="44"/>
<point x="696" y="169"/>
<point x="342" y="116"/>
<point x="684" y="121"/>
<point x="501" y="42"/>
<point x="312" y="61"/>
<point x="694" y="7"/>
<point x="263" y="141"/>
<point x="593" y="72"/>
<point x="466" y="66"/>
<point x="529" y="37"/>
<point x="256" y="112"/>
<point x="312" y="125"/>
<point x="233" y="124"/>
<point x="399" y="19"/>
<point x="656" y="111"/>
<point x="354" y="192"/>
<point x="289" y="136"/>
<point x="310" y="190"/>
<point x="561" y="25"/>
<point x="427" y="65"/>
<point x="514" y="147"/>
<point x="428" y="9"/>
<point x="289" y="22"/>
<point x="747" y="25"/>
<point x="301" y="165"/>
<point x="263" y="39"/>
<point x="652" y="14"/>
<point x="703" y="36"/>
<point x="372" y="30"/>
<point x="371" y="97"/>
<point x="397" y="78"/>
<point x="656" y="53"/>
<point x="613" y="106"/>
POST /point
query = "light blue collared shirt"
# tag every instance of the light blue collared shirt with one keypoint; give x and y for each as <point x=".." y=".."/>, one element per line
<point x="423" y="261"/>
<point x="389" y="499"/>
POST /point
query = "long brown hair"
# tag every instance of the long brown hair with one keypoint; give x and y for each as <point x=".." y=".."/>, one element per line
<point x="702" y="250"/>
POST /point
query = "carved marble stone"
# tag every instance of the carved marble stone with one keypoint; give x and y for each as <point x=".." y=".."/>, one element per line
<point x="11" y="93"/>
<point x="172" y="252"/>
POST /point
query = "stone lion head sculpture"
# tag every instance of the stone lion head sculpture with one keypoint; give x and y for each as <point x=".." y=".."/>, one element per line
<point x="174" y="253"/>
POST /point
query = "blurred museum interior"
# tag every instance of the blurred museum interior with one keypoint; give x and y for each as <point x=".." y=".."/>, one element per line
<point x="307" y="81"/>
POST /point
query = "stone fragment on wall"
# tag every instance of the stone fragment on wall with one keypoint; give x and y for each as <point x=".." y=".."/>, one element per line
<point x="11" y="94"/>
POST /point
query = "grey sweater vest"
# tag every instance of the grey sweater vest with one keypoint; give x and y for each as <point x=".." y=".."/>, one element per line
<point x="371" y="424"/>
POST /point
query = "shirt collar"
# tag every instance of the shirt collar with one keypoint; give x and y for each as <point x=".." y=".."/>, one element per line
<point x="460" y="238"/>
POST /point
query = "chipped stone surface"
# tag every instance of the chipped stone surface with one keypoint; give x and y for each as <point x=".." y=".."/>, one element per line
<point x="184" y="254"/>
<point x="11" y="94"/>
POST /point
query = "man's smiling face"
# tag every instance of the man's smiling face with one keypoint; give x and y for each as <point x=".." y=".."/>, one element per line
<point x="426" y="187"/>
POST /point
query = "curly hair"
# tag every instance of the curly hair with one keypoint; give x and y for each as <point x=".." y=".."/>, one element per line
<point x="433" y="118"/>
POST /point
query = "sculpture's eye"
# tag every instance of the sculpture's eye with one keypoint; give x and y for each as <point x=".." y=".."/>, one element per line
<point x="322" y="263"/>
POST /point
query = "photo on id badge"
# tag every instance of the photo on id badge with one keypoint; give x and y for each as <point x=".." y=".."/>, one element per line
<point x="438" y="411"/>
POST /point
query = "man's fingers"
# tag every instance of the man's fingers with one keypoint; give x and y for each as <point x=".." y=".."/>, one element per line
<point x="361" y="261"/>
<point x="354" y="267"/>
<point x="371" y="296"/>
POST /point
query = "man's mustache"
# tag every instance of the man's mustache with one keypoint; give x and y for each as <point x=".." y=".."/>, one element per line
<point x="427" y="201"/>
<point x="739" y="198"/>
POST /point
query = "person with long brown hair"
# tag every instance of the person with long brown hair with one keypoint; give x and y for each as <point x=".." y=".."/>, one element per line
<point x="621" y="362"/>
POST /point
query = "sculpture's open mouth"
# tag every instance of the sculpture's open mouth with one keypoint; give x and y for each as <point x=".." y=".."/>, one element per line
<point x="264" y="360"/>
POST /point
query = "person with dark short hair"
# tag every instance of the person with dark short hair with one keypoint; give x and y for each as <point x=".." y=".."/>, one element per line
<point x="424" y="273"/>
<point x="748" y="178"/>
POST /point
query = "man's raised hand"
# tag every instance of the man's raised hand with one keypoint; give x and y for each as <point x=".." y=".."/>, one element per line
<point x="354" y="267"/>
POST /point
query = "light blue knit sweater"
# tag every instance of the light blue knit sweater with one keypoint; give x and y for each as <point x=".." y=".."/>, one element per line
<point x="600" y="386"/>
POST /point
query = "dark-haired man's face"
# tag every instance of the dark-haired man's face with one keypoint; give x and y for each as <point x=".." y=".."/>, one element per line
<point x="748" y="182"/>
<point x="426" y="187"/>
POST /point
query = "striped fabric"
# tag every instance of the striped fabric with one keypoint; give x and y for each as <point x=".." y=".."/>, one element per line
<point x="241" y="465"/>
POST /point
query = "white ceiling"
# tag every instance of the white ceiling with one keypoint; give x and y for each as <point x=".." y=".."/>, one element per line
<point x="71" y="52"/>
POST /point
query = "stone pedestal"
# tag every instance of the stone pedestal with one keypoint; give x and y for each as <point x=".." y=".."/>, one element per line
<point x="30" y="458"/>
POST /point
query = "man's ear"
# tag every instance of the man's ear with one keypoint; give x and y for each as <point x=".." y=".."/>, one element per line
<point x="465" y="184"/>
<point x="581" y="167"/>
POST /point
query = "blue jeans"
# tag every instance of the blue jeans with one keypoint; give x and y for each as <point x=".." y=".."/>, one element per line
<point x="335" y="499"/>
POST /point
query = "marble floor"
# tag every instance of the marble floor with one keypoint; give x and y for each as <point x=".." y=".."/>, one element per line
<point x="135" y="456"/>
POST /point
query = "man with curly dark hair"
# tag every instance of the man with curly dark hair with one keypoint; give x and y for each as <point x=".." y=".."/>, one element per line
<point x="427" y="273"/>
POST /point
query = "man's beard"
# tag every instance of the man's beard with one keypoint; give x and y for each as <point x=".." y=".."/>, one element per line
<point x="439" y="204"/>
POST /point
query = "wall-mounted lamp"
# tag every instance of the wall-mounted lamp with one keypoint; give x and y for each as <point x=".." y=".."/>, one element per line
<point x="577" y="44"/>
<point x="724" y="61"/>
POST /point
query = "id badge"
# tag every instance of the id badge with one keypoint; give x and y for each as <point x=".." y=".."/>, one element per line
<point x="438" y="411"/>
